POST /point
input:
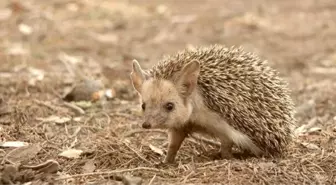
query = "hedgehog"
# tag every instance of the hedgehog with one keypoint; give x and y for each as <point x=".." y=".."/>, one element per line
<point x="223" y="92"/>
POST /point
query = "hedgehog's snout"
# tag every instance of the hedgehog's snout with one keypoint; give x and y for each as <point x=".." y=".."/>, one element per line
<point x="146" y="125"/>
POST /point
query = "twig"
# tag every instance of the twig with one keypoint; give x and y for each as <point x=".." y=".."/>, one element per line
<point x="89" y="119"/>
<point x="187" y="176"/>
<point x="76" y="132"/>
<point x="39" y="166"/>
<point x="6" y="155"/>
<point x="74" y="107"/>
<point x="118" y="114"/>
<point x="152" y="180"/>
<point x="114" y="171"/>
<point x="131" y="133"/>
<point x="137" y="153"/>
<point x="258" y="175"/>
<point x="208" y="141"/>
<point x="317" y="166"/>
<point x="229" y="172"/>
<point x="46" y="105"/>
<point x="206" y="166"/>
<point x="56" y="93"/>
<point x="108" y="118"/>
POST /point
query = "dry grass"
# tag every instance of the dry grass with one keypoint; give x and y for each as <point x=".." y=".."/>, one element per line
<point x="100" y="39"/>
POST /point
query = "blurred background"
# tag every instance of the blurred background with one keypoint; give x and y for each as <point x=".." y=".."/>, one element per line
<point x="102" y="37"/>
<point x="44" y="43"/>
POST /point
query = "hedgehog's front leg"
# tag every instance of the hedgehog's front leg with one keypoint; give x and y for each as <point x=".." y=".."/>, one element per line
<point x="176" y="138"/>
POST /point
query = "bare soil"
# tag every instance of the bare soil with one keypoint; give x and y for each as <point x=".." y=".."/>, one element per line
<point x="40" y="39"/>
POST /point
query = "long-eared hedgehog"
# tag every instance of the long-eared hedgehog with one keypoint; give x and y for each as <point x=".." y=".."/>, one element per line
<point x="225" y="92"/>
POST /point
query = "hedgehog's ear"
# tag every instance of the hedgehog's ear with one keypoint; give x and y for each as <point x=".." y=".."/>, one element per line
<point x="138" y="76"/>
<point x="188" y="78"/>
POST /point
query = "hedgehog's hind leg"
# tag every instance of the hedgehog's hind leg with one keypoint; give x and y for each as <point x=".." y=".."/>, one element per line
<point x="226" y="149"/>
<point x="242" y="140"/>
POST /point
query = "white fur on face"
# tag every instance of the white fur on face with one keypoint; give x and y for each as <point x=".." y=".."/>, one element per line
<point x="155" y="94"/>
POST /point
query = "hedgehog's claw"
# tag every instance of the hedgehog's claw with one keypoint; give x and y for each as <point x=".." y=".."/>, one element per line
<point x="163" y="164"/>
<point x="226" y="155"/>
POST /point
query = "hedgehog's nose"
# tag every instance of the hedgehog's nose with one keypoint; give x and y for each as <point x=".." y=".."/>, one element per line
<point x="146" y="125"/>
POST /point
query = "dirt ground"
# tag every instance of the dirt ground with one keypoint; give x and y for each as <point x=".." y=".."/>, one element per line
<point x="46" y="45"/>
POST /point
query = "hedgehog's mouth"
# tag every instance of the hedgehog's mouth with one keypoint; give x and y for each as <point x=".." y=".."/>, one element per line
<point x="152" y="125"/>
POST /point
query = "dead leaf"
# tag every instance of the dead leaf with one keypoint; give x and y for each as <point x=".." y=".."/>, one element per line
<point x="71" y="153"/>
<point x="314" y="130"/>
<point x="304" y="129"/>
<point x="24" y="153"/>
<point x="13" y="144"/>
<point x="89" y="167"/>
<point x="300" y="130"/>
<point x="156" y="149"/>
<point x="130" y="180"/>
<point x="78" y="119"/>
<point x="50" y="166"/>
<point x="55" y="119"/>
<point x="25" y="29"/>
<point x="36" y="75"/>
<point x="310" y="146"/>
<point x="84" y="104"/>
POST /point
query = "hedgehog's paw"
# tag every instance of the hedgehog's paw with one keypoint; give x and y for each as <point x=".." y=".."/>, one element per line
<point x="159" y="164"/>
<point x="164" y="164"/>
<point x="226" y="154"/>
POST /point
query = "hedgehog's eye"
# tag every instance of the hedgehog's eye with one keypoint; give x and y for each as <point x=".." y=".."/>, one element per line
<point x="169" y="106"/>
<point x="143" y="106"/>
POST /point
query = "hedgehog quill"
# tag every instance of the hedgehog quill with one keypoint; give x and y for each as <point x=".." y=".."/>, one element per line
<point x="224" y="92"/>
